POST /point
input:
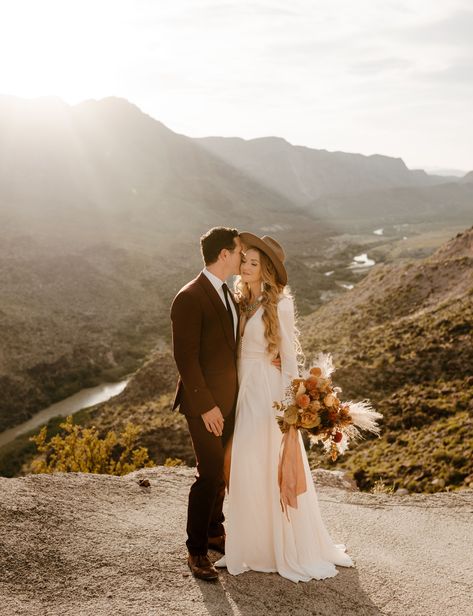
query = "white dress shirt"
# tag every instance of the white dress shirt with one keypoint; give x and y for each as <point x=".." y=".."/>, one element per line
<point x="217" y="284"/>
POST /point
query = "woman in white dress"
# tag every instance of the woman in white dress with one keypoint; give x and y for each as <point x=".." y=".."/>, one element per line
<point x="259" y="536"/>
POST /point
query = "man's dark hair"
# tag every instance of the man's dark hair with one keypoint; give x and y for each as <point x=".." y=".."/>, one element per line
<point x="215" y="240"/>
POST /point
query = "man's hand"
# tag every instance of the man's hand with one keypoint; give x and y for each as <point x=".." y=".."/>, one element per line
<point x="213" y="421"/>
<point x="277" y="362"/>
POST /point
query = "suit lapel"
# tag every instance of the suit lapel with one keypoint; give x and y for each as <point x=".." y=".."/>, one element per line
<point x="219" y="307"/>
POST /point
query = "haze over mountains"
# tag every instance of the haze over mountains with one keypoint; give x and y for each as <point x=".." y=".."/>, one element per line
<point x="346" y="188"/>
<point x="303" y="174"/>
<point x="100" y="168"/>
<point x="104" y="167"/>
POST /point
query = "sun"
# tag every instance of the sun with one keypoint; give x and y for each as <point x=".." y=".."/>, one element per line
<point x="52" y="47"/>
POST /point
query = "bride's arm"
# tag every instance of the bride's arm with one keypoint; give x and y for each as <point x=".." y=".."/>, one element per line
<point x="287" y="347"/>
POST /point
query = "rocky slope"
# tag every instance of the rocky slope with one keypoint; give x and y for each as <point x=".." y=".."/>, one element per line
<point x="402" y="338"/>
<point x="97" y="545"/>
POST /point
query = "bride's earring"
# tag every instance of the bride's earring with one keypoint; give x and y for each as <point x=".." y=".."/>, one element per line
<point x="262" y="287"/>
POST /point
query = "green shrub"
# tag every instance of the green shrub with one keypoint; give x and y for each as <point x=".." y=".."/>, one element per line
<point x="82" y="450"/>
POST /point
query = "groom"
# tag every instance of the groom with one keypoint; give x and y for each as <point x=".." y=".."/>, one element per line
<point x="205" y="339"/>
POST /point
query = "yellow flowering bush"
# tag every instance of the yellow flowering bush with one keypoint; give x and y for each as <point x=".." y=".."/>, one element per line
<point x="82" y="450"/>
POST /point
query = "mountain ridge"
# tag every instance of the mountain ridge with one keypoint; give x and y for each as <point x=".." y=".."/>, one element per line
<point x="306" y="173"/>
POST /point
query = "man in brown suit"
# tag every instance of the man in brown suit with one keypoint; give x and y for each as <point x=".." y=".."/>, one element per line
<point x="205" y="338"/>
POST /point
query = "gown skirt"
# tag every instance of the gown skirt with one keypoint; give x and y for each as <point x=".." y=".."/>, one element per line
<point x="259" y="537"/>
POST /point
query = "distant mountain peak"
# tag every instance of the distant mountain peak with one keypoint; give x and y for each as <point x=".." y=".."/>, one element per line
<point x="110" y="101"/>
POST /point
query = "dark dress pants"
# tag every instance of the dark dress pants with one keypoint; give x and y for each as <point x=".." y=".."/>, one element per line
<point x="204" y="514"/>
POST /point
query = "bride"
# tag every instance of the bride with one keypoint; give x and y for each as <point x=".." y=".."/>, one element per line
<point x="259" y="536"/>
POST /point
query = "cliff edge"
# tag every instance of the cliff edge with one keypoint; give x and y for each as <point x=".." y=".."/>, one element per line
<point x="82" y="544"/>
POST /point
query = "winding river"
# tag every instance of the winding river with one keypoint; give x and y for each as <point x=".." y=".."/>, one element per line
<point x="80" y="400"/>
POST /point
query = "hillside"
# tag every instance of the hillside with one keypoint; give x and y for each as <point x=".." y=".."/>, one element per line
<point x="402" y="337"/>
<point x="97" y="545"/>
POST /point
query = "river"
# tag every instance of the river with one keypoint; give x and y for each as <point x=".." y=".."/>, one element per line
<point x="361" y="261"/>
<point x="80" y="400"/>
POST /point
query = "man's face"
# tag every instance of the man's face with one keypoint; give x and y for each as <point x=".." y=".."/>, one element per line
<point x="235" y="257"/>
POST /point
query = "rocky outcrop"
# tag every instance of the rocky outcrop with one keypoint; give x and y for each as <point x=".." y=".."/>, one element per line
<point x="94" y="545"/>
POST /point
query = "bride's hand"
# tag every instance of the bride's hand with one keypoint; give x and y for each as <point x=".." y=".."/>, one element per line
<point x="213" y="421"/>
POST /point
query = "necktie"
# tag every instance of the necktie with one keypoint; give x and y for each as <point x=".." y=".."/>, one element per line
<point x="225" y="292"/>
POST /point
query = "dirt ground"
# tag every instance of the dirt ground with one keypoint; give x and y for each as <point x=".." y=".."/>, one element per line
<point x="98" y="545"/>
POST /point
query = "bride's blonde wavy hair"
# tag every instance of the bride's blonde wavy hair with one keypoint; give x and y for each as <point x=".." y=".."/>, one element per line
<point x="271" y="292"/>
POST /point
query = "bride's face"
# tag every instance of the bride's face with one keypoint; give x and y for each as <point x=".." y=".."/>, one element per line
<point x="250" y="269"/>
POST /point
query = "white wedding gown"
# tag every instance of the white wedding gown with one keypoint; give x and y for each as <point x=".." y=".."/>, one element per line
<point x="259" y="537"/>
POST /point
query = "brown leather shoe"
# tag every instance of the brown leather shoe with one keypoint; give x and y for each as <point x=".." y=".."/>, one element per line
<point x="217" y="544"/>
<point x="201" y="567"/>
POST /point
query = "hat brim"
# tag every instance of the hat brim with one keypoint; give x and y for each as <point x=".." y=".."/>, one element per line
<point x="250" y="239"/>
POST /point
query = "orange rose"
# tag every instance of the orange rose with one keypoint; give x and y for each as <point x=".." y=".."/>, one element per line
<point x="315" y="406"/>
<point x="309" y="420"/>
<point x="311" y="384"/>
<point x="316" y="371"/>
<point x="329" y="400"/>
<point x="303" y="401"/>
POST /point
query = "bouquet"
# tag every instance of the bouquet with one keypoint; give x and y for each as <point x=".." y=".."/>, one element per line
<point x="312" y="403"/>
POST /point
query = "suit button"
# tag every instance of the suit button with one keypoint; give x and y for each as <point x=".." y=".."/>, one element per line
<point x="196" y="390"/>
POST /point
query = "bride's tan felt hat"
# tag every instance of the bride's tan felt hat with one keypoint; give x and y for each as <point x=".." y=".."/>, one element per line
<point x="271" y="249"/>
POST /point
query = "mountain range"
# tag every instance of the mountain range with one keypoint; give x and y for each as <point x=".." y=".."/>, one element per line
<point x="304" y="174"/>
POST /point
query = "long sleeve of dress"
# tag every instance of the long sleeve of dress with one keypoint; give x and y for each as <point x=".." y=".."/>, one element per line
<point x="287" y="347"/>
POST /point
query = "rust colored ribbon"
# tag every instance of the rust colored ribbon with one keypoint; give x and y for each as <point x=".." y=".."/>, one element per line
<point x="291" y="474"/>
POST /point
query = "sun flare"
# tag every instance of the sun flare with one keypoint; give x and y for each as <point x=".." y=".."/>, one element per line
<point x="56" y="48"/>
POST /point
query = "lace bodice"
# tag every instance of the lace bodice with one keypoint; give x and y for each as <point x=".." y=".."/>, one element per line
<point x="253" y="343"/>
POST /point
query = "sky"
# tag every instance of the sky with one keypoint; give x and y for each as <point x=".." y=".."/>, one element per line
<point x="372" y="76"/>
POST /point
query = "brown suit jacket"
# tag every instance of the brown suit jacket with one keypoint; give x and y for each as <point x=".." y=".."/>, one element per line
<point x="204" y="349"/>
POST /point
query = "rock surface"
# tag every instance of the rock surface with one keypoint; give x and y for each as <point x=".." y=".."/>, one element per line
<point x="80" y="544"/>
